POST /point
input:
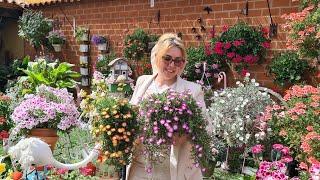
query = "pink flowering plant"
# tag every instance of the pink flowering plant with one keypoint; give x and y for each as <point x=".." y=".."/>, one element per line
<point x="304" y="29"/>
<point x="241" y="45"/>
<point x="163" y="116"/>
<point x="48" y="108"/>
<point x="297" y="124"/>
<point x="274" y="167"/>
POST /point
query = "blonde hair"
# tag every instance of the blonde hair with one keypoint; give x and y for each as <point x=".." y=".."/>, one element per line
<point x="165" y="42"/>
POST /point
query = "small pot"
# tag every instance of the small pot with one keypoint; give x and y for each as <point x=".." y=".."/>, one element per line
<point x="57" y="47"/>
<point x="84" y="59"/>
<point x="84" y="48"/>
<point x="84" y="71"/>
<point x="84" y="81"/>
<point x="102" y="47"/>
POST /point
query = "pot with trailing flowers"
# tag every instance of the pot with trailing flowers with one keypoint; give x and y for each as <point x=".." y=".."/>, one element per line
<point x="43" y="113"/>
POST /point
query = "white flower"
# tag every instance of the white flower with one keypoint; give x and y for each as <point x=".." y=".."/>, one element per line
<point x="257" y="84"/>
<point x="253" y="80"/>
<point x="241" y="138"/>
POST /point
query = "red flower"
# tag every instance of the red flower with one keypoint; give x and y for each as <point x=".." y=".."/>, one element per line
<point x="88" y="170"/>
<point x="244" y="72"/>
<point x="231" y="54"/>
<point x="207" y="50"/>
<point x="237" y="43"/>
<point x="237" y="59"/>
<point x="225" y="28"/>
<point x="4" y="134"/>
<point x="266" y="44"/>
<point x="227" y="45"/>
<point x="212" y="32"/>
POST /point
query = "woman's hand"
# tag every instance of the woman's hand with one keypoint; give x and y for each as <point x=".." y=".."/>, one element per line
<point x="180" y="139"/>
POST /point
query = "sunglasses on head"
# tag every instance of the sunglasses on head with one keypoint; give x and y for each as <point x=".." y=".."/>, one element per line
<point x="178" y="61"/>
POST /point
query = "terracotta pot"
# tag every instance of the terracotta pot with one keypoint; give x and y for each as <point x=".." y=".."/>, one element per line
<point x="47" y="135"/>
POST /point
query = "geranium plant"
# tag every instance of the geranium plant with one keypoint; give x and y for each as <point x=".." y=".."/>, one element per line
<point x="275" y="167"/>
<point x="288" y="68"/>
<point x="114" y="123"/>
<point x="297" y="124"/>
<point x="136" y="45"/>
<point x="304" y="29"/>
<point x="165" y="115"/>
<point x="47" y="108"/>
<point x="241" y="45"/>
<point x="56" y="37"/>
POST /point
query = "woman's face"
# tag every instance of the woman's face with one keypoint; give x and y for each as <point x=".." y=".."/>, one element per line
<point x="170" y="64"/>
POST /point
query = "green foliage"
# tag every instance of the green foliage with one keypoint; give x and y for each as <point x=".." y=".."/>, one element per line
<point x="102" y="64"/>
<point x="56" y="37"/>
<point x="34" y="27"/>
<point x="136" y="44"/>
<point x="288" y="68"/>
<point x="58" y="75"/>
<point x="80" y="31"/>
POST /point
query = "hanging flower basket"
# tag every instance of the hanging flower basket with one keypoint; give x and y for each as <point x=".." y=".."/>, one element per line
<point x="102" y="47"/>
<point x="57" y="47"/>
<point x="84" y="48"/>
<point x="47" y="135"/>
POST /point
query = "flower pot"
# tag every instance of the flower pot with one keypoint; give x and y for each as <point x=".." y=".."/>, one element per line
<point x="84" y="59"/>
<point x="84" y="71"/>
<point x="102" y="47"/>
<point x="84" y="37"/>
<point x="45" y="134"/>
<point x="57" y="47"/>
<point x="84" y="48"/>
<point x="84" y="81"/>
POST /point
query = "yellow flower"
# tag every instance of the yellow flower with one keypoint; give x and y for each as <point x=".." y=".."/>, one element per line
<point x="2" y="167"/>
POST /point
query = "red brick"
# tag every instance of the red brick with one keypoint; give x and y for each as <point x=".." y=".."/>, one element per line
<point x="230" y="6"/>
<point x="221" y="15"/>
<point x="260" y="4"/>
<point x="280" y="3"/>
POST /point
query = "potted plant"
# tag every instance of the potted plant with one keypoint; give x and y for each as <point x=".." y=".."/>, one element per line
<point x="49" y="109"/>
<point x="288" y="68"/>
<point x="34" y="27"/>
<point x="84" y="48"/>
<point x="56" y="38"/>
<point x="136" y="45"/>
<point x="100" y="41"/>
<point x="241" y="45"/>
<point x="102" y="63"/>
<point x="82" y="33"/>
<point x="54" y="74"/>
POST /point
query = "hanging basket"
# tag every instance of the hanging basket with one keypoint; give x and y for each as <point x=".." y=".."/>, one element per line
<point x="47" y="135"/>
<point x="57" y="47"/>
<point x="102" y="47"/>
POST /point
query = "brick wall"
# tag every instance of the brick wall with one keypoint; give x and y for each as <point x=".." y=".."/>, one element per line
<point x="112" y="18"/>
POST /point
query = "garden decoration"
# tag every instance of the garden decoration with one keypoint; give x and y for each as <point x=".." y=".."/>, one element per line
<point x="233" y="113"/>
<point x="34" y="27"/>
<point x="273" y="29"/>
<point x="103" y="61"/>
<point x="114" y="123"/>
<point x="165" y="115"/>
<point x="33" y="151"/>
<point x="297" y="124"/>
<point x="47" y="108"/>
<point x="119" y="74"/>
<point x="303" y="29"/>
<point x="288" y="68"/>
<point x="239" y="46"/>
<point x="56" y="38"/>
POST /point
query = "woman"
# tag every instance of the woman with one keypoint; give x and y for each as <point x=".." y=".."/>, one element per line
<point x="168" y="59"/>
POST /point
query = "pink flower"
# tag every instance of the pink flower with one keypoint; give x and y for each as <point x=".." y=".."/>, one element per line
<point x="277" y="147"/>
<point x="231" y="54"/>
<point x="286" y="159"/>
<point x="225" y="28"/>
<point x="309" y="128"/>
<point x="61" y="171"/>
<point x="303" y="166"/>
<point x="227" y="45"/>
<point x="237" y="43"/>
<point x="285" y="150"/>
<point x="257" y="149"/>
<point x="266" y="45"/>
<point x="244" y="72"/>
